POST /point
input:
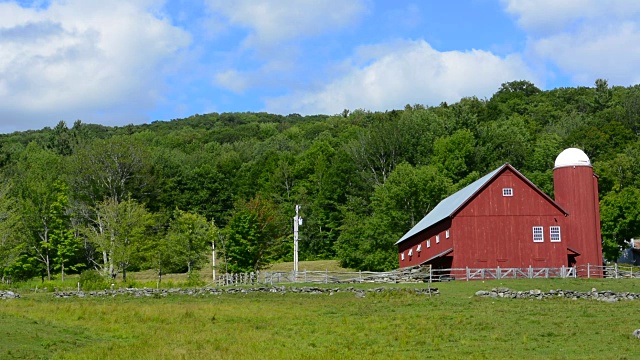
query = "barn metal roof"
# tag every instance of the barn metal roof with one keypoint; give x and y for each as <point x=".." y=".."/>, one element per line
<point x="449" y="205"/>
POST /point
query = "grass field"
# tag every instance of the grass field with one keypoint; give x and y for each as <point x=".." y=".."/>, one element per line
<point x="318" y="265"/>
<point x="455" y="325"/>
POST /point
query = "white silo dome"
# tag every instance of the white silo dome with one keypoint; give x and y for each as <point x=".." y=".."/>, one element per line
<point x="572" y="157"/>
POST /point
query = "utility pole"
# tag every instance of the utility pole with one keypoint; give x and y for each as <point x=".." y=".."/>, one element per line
<point x="297" y="220"/>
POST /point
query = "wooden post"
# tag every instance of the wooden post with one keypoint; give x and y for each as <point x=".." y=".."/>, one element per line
<point x="498" y="273"/>
<point x="467" y="275"/>
<point x="562" y="272"/>
<point x="213" y="259"/>
<point x="588" y="271"/>
<point x="326" y="276"/>
<point x="360" y="275"/>
<point x="616" y="269"/>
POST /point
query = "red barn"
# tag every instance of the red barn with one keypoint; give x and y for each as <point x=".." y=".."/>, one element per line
<point x="504" y="220"/>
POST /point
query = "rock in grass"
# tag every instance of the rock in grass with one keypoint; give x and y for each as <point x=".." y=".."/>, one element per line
<point x="636" y="333"/>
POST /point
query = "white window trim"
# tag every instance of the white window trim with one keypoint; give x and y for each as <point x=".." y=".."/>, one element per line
<point x="540" y="233"/>
<point x="446" y="234"/>
<point x="410" y="252"/>
<point x="419" y="248"/>
<point x="429" y="243"/>
<point x="551" y="228"/>
<point x="402" y="256"/>
<point x="507" y="191"/>
<point x="438" y="239"/>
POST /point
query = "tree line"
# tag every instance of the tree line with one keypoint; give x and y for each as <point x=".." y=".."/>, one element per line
<point x="155" y="196"/>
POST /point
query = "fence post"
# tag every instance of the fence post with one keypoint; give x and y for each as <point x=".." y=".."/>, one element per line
<point x="326" y="276"/>
<point x="616" y="269"/>
<point x="562" y="272"/>
<point x="467" y="274"/>
<point x="360" y="275"/>
<point x="498" y="273"/>
<point x="588" y="271"/>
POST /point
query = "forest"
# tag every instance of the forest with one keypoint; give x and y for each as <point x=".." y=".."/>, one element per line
<point x="155" y="196"/>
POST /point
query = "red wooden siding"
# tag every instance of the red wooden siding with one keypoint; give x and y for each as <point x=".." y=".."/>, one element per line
<point x="495" y="230"/>
<point x="420" y="257"/>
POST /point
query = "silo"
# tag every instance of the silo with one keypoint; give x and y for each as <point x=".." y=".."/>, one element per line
<point x="576" y="190"/>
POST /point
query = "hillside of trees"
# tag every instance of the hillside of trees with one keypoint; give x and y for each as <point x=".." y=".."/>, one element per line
<point x="154" y="196"/>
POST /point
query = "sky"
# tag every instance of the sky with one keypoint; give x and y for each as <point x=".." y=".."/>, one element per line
<point x="122" y="62"/>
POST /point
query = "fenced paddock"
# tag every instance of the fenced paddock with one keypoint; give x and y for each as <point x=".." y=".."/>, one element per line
<point x="427" y="274"/>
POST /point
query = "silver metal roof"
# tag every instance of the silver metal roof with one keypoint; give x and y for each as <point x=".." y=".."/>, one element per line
<point x="447" y="206"/>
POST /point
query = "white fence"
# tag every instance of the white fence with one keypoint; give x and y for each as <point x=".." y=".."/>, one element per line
<point x="427" y="274"/>
<point x="405" y="275"/>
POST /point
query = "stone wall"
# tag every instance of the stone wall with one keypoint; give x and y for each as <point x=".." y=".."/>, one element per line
<point x="607" y="296"/>
<point x="146" y="292"/>
<point x="8" y="295"/>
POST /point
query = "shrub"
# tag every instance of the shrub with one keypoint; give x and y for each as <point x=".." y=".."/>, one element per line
<point x="193" y="279"/>
<point x="92" y="280"/>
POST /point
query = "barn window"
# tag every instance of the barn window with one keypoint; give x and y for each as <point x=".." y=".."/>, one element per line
<point x="410" y="252"/>
<point x="419" y="248"/>
<point x="538" y="235"/>
<point x="554" y="233"/>
<point x="438" y="239"/>
<point x="446" y="234"/>
<point x="507" y="192"/>
<point x="429" y="243"/>
<point x="402" y="256"/>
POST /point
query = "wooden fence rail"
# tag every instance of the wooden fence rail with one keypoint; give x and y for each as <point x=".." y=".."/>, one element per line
<point x="426" y="274"/>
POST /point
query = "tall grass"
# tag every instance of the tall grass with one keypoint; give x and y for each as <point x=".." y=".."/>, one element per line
<point x="396" y="325"/>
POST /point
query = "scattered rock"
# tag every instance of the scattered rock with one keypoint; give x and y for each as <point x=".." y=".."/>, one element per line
<point x="636" y="333"/>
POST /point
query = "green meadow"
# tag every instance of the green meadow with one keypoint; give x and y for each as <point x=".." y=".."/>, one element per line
<point x="388" y="325"/>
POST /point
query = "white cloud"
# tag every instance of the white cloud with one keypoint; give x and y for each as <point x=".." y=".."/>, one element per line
<point x="273" y="21"/>
<point x="232" y="80"/>
<point x="551" y="16"/>
<point x="584" y="39"/>
<point x="407" y="72"/>
<point x="82" y="59"/>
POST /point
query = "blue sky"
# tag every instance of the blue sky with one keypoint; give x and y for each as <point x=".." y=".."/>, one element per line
<point x="119" y="62"/>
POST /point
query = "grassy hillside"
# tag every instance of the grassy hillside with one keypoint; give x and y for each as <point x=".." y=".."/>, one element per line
<point x="453" y="325"/>
<point x="318" y="265"/>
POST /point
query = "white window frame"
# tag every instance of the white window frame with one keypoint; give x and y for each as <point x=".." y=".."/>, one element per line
<point x="538" y="234"/>
<point x="438" y="239"/>
<point x="446" y="234"/>
<point x="428" y="243"/>
<point x="410" y="252"/>
<point x="402" y="256"/>
<point x="558" y="235"/>
<point x="419" y="248"/>
<point x="507" y="191"/>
